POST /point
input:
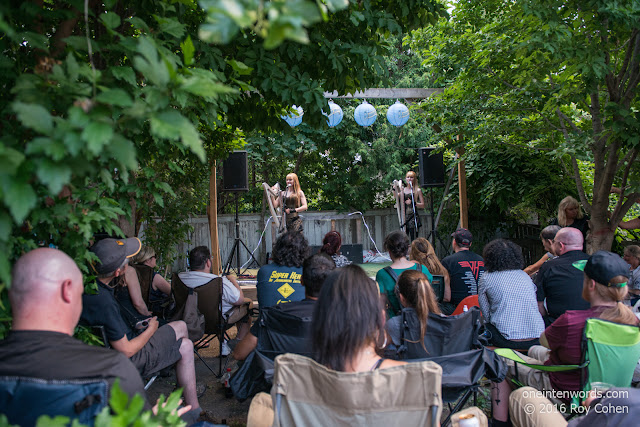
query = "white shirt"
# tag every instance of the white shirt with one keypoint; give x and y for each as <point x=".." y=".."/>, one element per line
<point x="230" y="294"/>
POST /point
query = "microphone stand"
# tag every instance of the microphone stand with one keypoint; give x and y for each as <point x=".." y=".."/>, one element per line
<point x="413" y="204"/>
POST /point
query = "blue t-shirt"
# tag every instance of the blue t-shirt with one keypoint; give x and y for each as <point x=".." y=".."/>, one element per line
<point x="278" y="284"/>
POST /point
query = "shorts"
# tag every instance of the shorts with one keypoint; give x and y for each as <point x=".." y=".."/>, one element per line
<point x="161" y="351"/>
<point x="237" y="313"/>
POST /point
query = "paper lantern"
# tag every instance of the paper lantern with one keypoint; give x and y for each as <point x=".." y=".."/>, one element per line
<point x="295" y="117"/>
<point x="365" y="114"/>
<point x="335" y="117"/>
<point x="398" y="114"/>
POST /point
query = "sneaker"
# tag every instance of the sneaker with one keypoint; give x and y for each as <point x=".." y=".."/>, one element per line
<point x="226" y="350"/>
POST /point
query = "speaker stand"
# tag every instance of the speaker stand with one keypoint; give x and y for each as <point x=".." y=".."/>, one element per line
<point x="235" y="249"/>
<point x="433" y="233"/>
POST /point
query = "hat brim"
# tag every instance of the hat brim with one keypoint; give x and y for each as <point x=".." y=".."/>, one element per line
<point x="132" y="246"/>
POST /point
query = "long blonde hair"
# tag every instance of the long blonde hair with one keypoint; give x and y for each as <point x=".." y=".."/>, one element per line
<point x="567" y="202"/>
<point x="296" y="193"/>
<point x="423" y="253"/>
<point x="416" y="184"/>
<point x="414" y="286"/>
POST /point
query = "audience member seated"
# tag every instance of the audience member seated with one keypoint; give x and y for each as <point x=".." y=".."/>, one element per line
<point x="331" y="245"/>
<point x="546" y="236"/>
<point x="150" y="348"/>
<point x="559" y="285"/>
<point x="279" y="282"/>
<point x="418" y="299"/>
<point x="348" y="331"/>
<point x="465" y="268"/>
<point x="615" y="407"/>
<point x="632" y="257"/>
<point x="148" y="290"/>
<point x="235" y="306"/>
<point x="507" y="298"/>
<point x="570" y="215"/>
<point x="314" y="271"/>
<point x="46" y="302"/>
<point x="423" y="252"/>
<point x="397" y="244"/>
<point x="604" y="287"/>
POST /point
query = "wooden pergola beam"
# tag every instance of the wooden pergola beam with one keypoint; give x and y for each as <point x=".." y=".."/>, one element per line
<point x="381" y="93"/>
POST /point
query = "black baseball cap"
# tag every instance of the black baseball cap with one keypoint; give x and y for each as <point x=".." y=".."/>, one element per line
<point x="113" y="252"/>
<point x="603" y="266"/>
<point x="463" y="237"/>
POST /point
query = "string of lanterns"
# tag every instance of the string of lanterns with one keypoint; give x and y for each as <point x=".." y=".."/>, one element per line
<point x="365" y="114"/>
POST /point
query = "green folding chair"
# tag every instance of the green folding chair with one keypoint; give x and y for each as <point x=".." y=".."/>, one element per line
<point x="604" y="342"/>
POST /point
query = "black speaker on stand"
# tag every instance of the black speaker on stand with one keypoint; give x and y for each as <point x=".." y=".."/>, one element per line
<point x="431" y="175"/>
<point x="235" y="178"/>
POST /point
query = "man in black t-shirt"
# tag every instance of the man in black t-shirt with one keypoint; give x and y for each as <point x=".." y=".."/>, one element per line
<point x="559" y="283"/>
<point x="151" y="349"/>
<point x="314" y="270"/>
<point x="46" y="301"/>
<point x="465" y="268"/>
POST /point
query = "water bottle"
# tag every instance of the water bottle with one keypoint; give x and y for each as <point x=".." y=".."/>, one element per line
<point x="465" y="309"/>
<point x="225" y="378"/>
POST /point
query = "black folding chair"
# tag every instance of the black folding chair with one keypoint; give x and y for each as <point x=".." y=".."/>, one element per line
<point x="279" y="333"/>
<point x="453" y="342"/>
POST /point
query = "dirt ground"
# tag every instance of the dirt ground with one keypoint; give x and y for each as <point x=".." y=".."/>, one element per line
<point x="220" y="408"/>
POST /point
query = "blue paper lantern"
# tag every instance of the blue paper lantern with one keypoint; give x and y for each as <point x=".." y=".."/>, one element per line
<point x="295" y="117"/>
<point x="335" y="116"/>
<point x="365" y="114"/>
<point x="398" y="114"/>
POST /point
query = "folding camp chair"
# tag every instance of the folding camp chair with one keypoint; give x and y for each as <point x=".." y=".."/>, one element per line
<point x="210" y="305"/>
<point x="306" y="393"/>
<point x="452" y="342"/>
<point x="280" y="332"/>
<point x="24" y="399"/>
<point x="470" y="301"/>
<point x="615" y="344"/>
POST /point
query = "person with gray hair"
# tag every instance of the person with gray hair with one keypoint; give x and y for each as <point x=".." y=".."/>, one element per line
<point x="632" y="257"/>
<point x="559" y="285"/>
<point x="149" y="347"/>
<point x="46" y="302"/>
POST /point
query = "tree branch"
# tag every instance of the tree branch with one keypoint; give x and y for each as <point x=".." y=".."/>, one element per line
<point x="630" y="157"/>
<point x="578" y="180"/>
<point x="623" y="75"/>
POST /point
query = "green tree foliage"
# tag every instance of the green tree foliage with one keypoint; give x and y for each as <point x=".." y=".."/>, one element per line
<point x="117" y="108"/>
<point x="556" y="80"/>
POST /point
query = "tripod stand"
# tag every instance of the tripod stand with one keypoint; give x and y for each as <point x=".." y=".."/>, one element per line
<point x="433" y="233"/>
<point x="235" y="249"/>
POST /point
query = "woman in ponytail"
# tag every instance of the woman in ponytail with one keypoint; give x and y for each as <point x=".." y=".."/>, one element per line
<point x="417" y="297"/>
<point x="331" y="245"/>
<point x="423" y="253"/>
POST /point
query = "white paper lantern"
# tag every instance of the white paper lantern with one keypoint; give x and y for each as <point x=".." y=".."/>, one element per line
<point x="295" y="117"/>
<point x="365" y="114"/>
<point x="335" y="116"/>
<point x="398" y="114"/>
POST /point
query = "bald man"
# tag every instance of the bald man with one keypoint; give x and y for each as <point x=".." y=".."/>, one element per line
<point x="559" y="283"/>
<point x="46" y="300"/>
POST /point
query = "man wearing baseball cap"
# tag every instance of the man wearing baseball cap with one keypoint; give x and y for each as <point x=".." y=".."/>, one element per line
<point x="604" y="287"/>
<point x="151" y="349"/>
<point x="465" y="268"/>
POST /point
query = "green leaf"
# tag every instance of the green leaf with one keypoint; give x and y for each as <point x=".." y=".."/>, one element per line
<point x="173" y="125"/>
<point x="240" y="67"/>
<point x="111" y="20"/>
<point x="96" y="135"/>
<point x="170" y="26"/>
<point x="187" y="51"/>
<point x="35" y="40"/>
<point x="119" y="399"/>
<point x="138" y="23"/>
<point x="22" y="197"/>
<point x="34" y="116"/>
<point x="205" y="87"/>
<point x="10" y="159"/>
<point x="124" y="73"/>
<point x="123" y="151"/>
<point x="5" y="225"/>
<point x="115" y="97"/>
<point x="219" y="29"/>
<point x="53" y="175"/>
